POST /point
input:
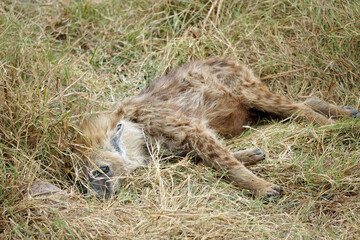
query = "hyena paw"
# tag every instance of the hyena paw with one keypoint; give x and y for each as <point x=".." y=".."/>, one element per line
<point x="269" y="191"/>
<point x="259" y="187"/>
<point x="353" y="112"/>
<point x="249" y="156"/>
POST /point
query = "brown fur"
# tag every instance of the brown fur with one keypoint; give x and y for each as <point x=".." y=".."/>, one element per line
<point x="184" y="110"/>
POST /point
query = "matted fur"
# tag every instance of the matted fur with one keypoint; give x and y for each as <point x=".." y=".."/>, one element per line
<point x="185" y="110"/>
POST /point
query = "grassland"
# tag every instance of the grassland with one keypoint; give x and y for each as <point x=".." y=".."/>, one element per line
<point x="64" y="60"/>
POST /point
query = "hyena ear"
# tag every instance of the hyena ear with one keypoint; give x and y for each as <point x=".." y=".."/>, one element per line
<point x="119" y="129"/>
<point x="116" y="141"/>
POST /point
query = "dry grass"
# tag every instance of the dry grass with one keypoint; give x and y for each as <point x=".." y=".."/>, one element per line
<point x="62" y="60"/>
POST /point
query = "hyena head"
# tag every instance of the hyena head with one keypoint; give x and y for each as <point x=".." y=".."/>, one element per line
<point x="110" y="148"/>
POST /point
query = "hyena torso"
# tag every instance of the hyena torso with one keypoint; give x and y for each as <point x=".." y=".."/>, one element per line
<point x="185" y="110"/>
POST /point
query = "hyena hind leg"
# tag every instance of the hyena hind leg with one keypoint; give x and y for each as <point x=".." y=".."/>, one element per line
<point x="249" y="156"/>
<point x="261" y="98"/>
<point x="331" y="110"/>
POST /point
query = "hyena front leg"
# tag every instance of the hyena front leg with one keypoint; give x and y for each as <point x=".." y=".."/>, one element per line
<point x="181" y="132"/>
<point x="331" y="110"/>
<point x="210" y="149"/>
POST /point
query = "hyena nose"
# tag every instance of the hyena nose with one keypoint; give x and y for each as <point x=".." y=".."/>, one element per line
<point x="101" y="186"/>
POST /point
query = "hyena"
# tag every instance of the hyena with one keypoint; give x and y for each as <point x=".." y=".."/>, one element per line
<point x="187" y="110"/>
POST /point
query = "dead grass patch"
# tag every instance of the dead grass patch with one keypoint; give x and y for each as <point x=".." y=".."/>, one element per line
<point x="63" y="60"/>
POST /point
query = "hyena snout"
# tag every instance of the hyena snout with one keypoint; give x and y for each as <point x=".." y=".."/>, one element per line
<point x="100" y="182"/>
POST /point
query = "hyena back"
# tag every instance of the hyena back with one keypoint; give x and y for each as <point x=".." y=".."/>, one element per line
<point x="186" y="110"/>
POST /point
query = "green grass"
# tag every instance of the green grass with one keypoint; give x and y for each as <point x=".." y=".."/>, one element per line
<point x="61" y="61"/>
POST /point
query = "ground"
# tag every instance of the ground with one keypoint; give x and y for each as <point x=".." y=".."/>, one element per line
<point x="61" y="61"/>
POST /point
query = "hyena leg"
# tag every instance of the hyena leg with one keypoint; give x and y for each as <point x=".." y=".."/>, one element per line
<point x="261" y="98"/>
<point x="210" y="149"/>
<point x="331" y="110"/>
<point x="185" y="134"/>
<point x="249" y="156"/>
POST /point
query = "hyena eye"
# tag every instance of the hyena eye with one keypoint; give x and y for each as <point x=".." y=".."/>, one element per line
<point x="104" y="169"/>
